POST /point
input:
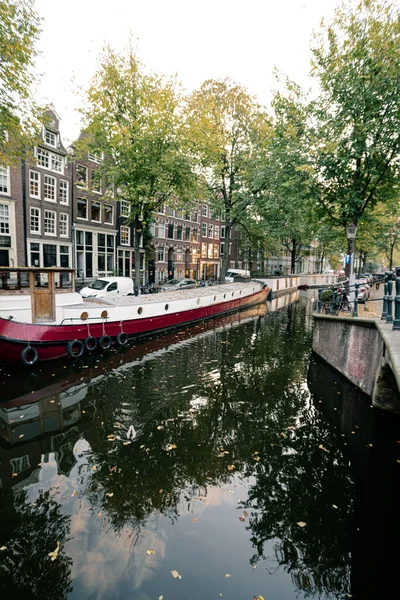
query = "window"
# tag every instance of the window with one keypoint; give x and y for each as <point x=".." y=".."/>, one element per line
<point x="4" y="180"/>
<point x="50" y="138"/>
<point x="57" y="163"/>
<point x="4" y="219"/>
<point x="222" y="233"/>
<point x="43" y="158"/>
<point x="49" y="255"/>
<point x="179" y="214"/>
<point x="195" y="216"/>
<point x="179" y="256"/>
<point x="179" y="232"/>
<point x="204" y="251"/>
<point x="170" y="233"/>
<point x="187" y="234"/>
<point x="49" y="222"/>
<point x="35" y="220"/>
<point x="124" y="235"/>
<point x="94" y="157"/>
<point x="35" y="255"/>
<point x="216" y="251"/>
<point x="195" y="235"/>
<point x="161" y="230"/>
<point x="63" y="225"/>
<point x="170" y="211"/>
<point x="204" y="230"/>
<point x="216" y="232"/>
<point x="63" y="192"/>
<point x="210" y="231"/>
<point x="81" y="176"/>
<point x="204" y="210"/>
<point x="125" y="208"/>
<point x="82" y="208"/>
<point x="64" y="256"/>
<point x="222" y="246"/>
<point x="34" y="184"/>
<point x="210" y="250"/>
<point x="161" y="254"/>
<point x="108" y="214"/>
<point x="96" y="182"/>
<point x="49" y="188"/>
<point x="95" y="211"/>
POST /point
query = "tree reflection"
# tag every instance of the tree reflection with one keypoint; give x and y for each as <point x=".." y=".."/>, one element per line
<point x="26" y="570"/>
<point x="233" y="398"/>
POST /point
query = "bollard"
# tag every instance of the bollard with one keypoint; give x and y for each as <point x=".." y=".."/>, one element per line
<point x="355" y="312"/>
<point x="389" y="314"/>
<point x="385" y="295"/>
<point x="396" y="322"/>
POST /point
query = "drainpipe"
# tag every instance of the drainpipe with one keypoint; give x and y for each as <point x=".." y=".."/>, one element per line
<point x="24" y="209"/>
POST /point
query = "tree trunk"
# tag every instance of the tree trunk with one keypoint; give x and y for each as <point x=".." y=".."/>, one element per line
<point x="226" y="256"/>
<point x="391" y="256"/>
<point x="293" y="256"/>
<point x="138" y="228"/>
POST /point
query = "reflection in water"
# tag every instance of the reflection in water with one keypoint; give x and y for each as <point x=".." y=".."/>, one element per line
<point x="230" y="456"/>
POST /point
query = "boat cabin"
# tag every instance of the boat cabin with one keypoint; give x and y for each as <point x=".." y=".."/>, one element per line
<point x="42" y="284"/>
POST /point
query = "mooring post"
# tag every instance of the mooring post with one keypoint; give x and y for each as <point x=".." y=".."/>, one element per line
<point x="355" y="312"/>
<point x="389" y="315"/>
<point x="396" y="322"/>
<point x="385" y="295"/>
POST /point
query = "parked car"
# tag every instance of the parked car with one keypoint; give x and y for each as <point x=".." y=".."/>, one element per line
<point x="232" y="274"/>
<point x="368" y="277"/>
<point x="107" y="287"/>
<point x="179" y="284"/>
<point x="364" y="290"/>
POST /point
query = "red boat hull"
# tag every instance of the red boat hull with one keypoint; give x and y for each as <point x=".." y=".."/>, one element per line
<point x="51" y="341"/>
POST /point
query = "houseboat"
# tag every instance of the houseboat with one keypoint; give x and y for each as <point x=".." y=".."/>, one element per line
<point x="42" y="317"/>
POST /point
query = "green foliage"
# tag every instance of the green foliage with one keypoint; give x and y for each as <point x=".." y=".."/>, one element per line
<point x="355" y="121"/>
<point x="19" y="32"/>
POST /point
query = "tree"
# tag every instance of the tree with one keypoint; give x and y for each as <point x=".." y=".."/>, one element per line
<point x="356" y="118"/>
<point x="19" y="32"/>
<point x="227" y="128"/>
<point x="133" y="118"/>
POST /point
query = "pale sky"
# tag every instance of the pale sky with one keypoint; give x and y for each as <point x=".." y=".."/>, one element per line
<point x="243" y="40"/>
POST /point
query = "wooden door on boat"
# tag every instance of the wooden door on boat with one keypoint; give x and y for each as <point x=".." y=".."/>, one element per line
<point x="43" y="296"/>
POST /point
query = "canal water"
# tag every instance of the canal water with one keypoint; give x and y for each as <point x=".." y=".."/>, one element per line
<point x="221" y="461"/>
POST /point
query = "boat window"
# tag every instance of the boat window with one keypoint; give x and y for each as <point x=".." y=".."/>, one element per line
<point x="99" y="284"/>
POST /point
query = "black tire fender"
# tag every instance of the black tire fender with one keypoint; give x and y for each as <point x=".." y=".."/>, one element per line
<point x="122" y="338"/>
<point x="90" y="343"/>
<point x="29" y="356"/>
<point x="75" y="348"/>
<point x="105" y="342"/>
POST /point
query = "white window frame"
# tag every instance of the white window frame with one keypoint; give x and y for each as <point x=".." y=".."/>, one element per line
<point x="96" y="158"/>
<point x="204" y="210"/>
<point x="66" y="221"/>
<point x="163" y="254"/>
<point x="5" y="219"/>
<point x="54" y="186"/>
<point x="38" y="181"/>
<point x="159" y="235"/>
<point x="56" y="161"/>
<point x="98" y="203"/>
<point x="210" y="230"/>
<point x="78" y="183"/>
<point x="204" y="230"/>
<point x="125" y="208"/>
<point x="77" y="202"/>
<point x="54" y="219"/>
<point x="6" y="174"/>
<point x="63" y="181"/>
<point x="112" y="214"/>
<point x="47" y="132"/>
<point x="216" y="232"/>
<point x="41" y="153"/>
<point x="124" y="230"/>
<point x="38" y="217"/>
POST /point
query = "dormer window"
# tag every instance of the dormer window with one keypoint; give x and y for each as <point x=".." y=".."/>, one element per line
<point x="50" y="138"/>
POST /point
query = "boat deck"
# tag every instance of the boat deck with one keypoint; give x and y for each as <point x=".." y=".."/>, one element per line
<point x="168" y="296"/>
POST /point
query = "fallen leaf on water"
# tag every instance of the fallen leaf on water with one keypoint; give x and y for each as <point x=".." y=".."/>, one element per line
<point x="94" y="468"/>
<point x="3" y="548"/>
<point x="242" y="519"/>
<point x="110" y="494"/>
<point x="257" y="458"/>
<point x="245" y="514"/>
<point x="160" y="597"/>
<point x="261" y="597"/>
<point x="175" y="574"/>
<point x="149" y="552"/>
<point x="256" y="452"/>
<point x="171" y="447"/>
<point x="111" y="436"/>
<point x="21" y="436"/>
<point x="301" y="524"/>
<point x="283" y="434"/>
<point x="99" y="514"/>
<point x="231" y="467"/>
<point x="254" y="566"/>
<point x="74" y="493"/>
<point x="53" y="555"/>
<point x="15" y="474"/>
<point x="159" y="427"/>
<point x="292" y="427"/>
<point x="334" y="506"/>
<point x="195" y="519"/>
<point x="228" y="575"/>
<point x="321" y="447"/>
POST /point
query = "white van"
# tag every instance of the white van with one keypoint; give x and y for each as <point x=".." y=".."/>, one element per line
<point x="231" y="274"/>
<point x="107" y="287"/>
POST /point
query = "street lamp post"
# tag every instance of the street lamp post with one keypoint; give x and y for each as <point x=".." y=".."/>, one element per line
<point x="351" y="232"/>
